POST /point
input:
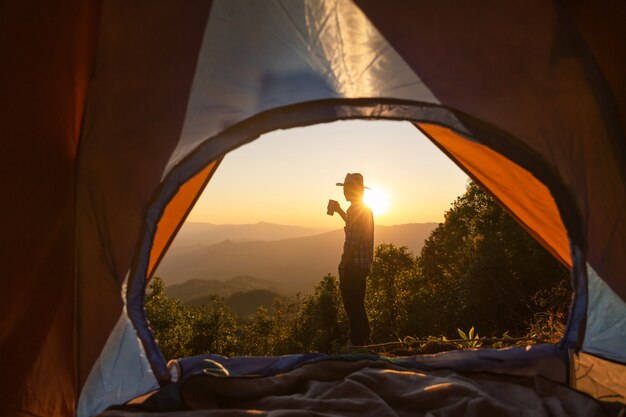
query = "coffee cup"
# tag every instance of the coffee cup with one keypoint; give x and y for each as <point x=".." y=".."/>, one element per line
<point x="330" y="208"/>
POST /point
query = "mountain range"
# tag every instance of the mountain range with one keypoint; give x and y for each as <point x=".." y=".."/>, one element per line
<point x="292" y="264"/>
<point x="196" y="233"/>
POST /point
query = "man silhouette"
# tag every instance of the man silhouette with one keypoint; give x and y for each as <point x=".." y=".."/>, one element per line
<point x="357" y="257"/>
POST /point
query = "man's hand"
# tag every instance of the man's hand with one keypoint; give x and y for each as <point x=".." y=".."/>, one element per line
<point x="336" y="207"/>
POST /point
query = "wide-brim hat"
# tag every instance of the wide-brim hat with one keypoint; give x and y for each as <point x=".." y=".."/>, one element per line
<point x="353" y="179"/>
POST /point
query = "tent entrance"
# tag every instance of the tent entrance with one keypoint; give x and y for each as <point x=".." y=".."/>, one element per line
<point x="492" y="157"/>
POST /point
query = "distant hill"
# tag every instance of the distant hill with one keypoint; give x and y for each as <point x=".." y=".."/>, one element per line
<point x="295" y="265"/>
<point x="195" y="233"/>
<point x="243" y="303"/>
<point x="196" y="288"/>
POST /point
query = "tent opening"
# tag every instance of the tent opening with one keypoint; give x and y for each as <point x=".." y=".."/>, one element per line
<point x="255" y="257"/>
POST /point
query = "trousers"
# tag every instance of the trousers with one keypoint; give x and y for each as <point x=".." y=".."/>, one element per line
<point x="352" y="283"/>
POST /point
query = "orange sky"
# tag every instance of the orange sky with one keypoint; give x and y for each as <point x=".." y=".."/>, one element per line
<point x="287" y="176"/>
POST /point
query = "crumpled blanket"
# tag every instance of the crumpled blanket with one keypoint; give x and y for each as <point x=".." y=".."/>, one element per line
<point x="378" y="389"/>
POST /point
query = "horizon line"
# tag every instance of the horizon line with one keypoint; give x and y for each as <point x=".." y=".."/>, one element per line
<point x="299" y="225"/>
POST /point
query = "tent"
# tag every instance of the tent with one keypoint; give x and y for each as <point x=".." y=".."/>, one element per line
<point x="115" y="115"/>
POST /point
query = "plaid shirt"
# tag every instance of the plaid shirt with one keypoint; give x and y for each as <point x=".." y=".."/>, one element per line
<point x="360" y="234"/>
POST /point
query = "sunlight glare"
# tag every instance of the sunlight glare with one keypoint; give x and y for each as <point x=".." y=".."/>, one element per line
<point x="377" y="200"/>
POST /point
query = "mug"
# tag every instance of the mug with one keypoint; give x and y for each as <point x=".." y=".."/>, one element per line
<point x="330" y="208"/>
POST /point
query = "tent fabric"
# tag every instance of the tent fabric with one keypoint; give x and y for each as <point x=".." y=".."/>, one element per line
<point x="325" y="110"/>
<point x="550" y="91"/>
<point x="109" y="109"/>
<point x="376" y="388"/>
<point x="516" y="188"/>
<point x="135" y="110"/>
<point x="601" y="29"/>
<point x="545" y="360"/>
<point x="175" y="213"/>
<point x="122" y="371"/>
<point x="287" y="53"/>
<point x="47" y="57"/>
<point x="599" y="378"/>
<point x="605" y="333"/>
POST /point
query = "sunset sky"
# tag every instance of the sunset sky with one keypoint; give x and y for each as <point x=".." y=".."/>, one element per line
<point x="287" y="176"/>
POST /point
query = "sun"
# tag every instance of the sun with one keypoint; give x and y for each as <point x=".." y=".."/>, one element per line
<point x="377" y="200"/>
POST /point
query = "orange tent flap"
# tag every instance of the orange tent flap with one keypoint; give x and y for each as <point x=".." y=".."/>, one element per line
<point x="525" y="197"/>
<point x="176" y="212"/>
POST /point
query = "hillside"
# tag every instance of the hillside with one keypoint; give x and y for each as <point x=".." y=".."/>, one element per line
<point x="242" y="303"/>
<point x="295" y="265"/>
<point x="196" y="288"/>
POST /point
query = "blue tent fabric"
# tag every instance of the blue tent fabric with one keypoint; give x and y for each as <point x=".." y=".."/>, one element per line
<point x="251" y="365"/>
<point x="546" y="360"/>
<point x="360" y="385"/>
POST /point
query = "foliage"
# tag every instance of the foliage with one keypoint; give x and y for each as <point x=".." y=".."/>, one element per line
<point x="480" y="267"/>
<point x="212" y="329"/>
<point x="471" y="338"/>
<point x="547" y="327"/>
<point x="314" y="323"/>
<point x="258" y="334"/>
<point x="391" y="288"/>
<point x="185" y="330"/>
<point x="284" y="316"/>
<point x="241" y="303"/>
<point x="323" y="321"/>
<point x="169" y="320"/>
<point x="554" y="299"/>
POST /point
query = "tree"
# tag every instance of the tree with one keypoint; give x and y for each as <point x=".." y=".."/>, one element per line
<point x="322" y="323"/>
<point x="273" y="331"/>
<point x="256" y="335"/>
<point x="213" y="328"/>
<point x="481" y="268"/>
<point x="391" y="287"/>
<point x="183" y="331"/>
<point x="169" y="320"/>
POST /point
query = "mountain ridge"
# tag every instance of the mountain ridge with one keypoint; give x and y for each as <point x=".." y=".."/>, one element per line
<point x="208" y="233"/>
<point x="296" y="264"/>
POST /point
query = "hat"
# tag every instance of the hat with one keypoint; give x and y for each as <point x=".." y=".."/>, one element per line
<point x="353" y="179"/>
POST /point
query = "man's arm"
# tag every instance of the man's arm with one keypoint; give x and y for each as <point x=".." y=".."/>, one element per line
<point x="337" y="209"/>
<point x="341" y="213"/>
